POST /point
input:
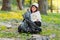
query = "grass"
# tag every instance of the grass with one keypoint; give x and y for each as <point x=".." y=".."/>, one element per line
<point x="51" y="25"/>
<point x="10" y="15"/>
<point x="52" y="20"/>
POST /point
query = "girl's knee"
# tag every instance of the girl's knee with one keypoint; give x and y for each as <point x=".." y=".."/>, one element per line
<point x="38" y="23"/>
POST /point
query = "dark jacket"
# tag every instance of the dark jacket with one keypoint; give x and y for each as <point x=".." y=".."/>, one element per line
<point x="27" y="20"/>
<point x="27" y="24"/>
<point x="26" y="16"/>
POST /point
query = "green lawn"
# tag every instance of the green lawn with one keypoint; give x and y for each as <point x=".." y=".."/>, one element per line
<point x="50" y="25"/>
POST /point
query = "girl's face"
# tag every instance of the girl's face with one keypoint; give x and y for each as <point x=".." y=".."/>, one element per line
<point x="33" y="8"/>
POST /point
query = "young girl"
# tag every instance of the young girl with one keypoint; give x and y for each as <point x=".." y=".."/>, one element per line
<point x="35" y="14"/>
<point x="30" y="18"/>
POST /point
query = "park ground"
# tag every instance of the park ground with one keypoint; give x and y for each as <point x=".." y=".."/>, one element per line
<point x="50" y="25"/>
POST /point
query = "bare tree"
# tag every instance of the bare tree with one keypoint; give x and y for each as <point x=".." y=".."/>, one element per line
<point x="6" y="5"/>
<point x="30" y="2"/>
<point x="23" y="2"/>
<point x="19" y="2"/>
<point x="43" y="6"/>
<point x="51" y="6"/>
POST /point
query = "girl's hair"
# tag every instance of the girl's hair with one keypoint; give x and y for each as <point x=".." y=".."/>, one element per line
<point x="31" y="8"/>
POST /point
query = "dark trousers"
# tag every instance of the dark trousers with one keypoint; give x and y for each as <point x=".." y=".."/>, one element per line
<point x="38" y="23"/>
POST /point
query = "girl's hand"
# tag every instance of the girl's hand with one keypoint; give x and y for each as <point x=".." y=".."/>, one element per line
<point x="37" y="20"/>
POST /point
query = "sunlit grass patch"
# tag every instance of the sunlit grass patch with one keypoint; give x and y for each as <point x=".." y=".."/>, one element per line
<point x="11" y="15"/>
<point x="51" y="18"/>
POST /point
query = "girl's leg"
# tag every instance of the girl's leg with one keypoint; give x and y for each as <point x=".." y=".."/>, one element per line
<point x="38" y="23"/>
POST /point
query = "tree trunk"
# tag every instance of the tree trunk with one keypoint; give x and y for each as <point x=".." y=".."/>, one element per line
<point x="43" y="6"/>
<point x="19" y="2"/>
<point x="6" y="5"/>
<point x="51" y="6"/>
<point x="23" y="2"/>
<point x="30" y="2"/>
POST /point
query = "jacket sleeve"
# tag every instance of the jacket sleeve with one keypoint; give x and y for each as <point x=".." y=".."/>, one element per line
<point x="26" y="15"/>
<point x="39" y="16"/>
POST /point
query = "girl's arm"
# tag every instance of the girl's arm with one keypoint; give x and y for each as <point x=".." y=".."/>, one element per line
<point x="39" y="16"/>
